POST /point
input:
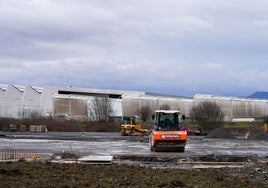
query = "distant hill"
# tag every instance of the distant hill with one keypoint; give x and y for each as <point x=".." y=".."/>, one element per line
<point x="259" y="95"/>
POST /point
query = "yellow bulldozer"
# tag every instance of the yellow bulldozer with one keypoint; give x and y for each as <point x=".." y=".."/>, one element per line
<point x="132" y="127"/>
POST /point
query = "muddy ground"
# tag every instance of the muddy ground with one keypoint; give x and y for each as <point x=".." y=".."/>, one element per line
<point x="33" y="174"/>
<point x="142" y="169"/>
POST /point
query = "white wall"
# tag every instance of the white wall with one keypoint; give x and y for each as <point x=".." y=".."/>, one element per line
<point x="2" y="101"/>
<point x="13" y="102"/>
<point x="46" y="102"/>
<point x="30" y="102"/>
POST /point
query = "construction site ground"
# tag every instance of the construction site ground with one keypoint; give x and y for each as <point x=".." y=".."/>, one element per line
<point x="207" y="161"/>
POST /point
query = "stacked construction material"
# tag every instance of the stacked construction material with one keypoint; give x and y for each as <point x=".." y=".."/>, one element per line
<point x="38" y="128"/>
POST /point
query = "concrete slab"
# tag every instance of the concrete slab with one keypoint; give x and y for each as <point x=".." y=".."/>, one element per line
<point x="96" y="159"/>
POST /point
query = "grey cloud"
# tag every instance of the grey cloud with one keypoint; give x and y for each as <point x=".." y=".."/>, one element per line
<point x="161" y="46"/>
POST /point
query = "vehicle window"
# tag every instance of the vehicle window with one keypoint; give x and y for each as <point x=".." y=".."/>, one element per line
<point x="168" y="121"/>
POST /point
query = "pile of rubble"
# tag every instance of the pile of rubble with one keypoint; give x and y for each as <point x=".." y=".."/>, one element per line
<point x="219" y="133"/>
<point x="260" y="136"/>
<point x="223" y="134"/>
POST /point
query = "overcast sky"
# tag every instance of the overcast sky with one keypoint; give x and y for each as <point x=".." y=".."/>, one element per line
<point x="178" y="47"/>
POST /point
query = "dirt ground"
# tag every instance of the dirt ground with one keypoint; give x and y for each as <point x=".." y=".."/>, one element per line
<point x="49" y="174"/>
<point x="33" y="174"/>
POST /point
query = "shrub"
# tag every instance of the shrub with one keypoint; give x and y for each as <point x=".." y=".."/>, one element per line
<point x="208" y="115"/>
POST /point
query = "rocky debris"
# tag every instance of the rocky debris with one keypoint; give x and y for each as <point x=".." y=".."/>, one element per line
<point x="2" y="135"/>
<point x="219" y="133"/>
<point x="225" y="158"/>
<point x="65" y="155"/>
<point x="175" y="158"/>
<point x="256" y="172"/>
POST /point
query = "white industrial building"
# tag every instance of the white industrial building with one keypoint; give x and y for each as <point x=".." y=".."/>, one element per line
<point x="236" y="109"/>
<point x="25" y="101"/>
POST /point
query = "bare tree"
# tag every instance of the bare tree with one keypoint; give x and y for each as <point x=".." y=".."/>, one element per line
<point x="207" y="114"/>
<point x="100" y="109"/>
<point x="265" y="119"/>
<point x="145" y="112"/>
<point x="35" y="115"/>
<point x="165" y="107"/>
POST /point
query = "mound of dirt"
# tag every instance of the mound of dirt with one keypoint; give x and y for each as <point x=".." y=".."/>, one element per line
<point x="31" y="175"/>
<point x="219" y="133"/>
<point x="260" y="136"/>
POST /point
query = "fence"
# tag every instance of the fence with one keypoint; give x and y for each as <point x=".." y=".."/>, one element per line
<point x="9" y="154"/>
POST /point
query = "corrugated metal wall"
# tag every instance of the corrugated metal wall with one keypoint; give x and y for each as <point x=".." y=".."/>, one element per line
<point x="237" y="107"/>
<point x="2" y="101"/>
<point x="14" y="101"/>
<point x="12" y="104"/>
<point x="70" y="107"/>
<point x="132" y="104"/>
<point x="30" y="102"/>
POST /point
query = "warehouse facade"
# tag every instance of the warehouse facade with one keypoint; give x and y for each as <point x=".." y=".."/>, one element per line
<point x="75" y="103"/>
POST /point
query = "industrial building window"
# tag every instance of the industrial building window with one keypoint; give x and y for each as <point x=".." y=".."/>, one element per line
<point x="113" y="96"/>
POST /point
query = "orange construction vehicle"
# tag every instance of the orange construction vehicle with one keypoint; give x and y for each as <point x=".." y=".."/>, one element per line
<point x="166" y="134"/>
